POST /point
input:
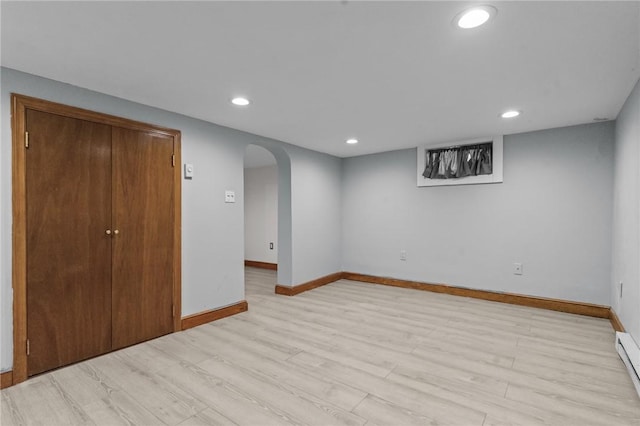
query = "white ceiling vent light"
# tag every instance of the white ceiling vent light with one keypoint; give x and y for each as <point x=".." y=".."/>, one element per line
<point x="240" y="101"/>
<point x="510" y="114"/>
<point x="475" y="16"/>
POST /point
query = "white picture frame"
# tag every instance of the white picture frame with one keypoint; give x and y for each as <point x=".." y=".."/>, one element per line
<point x="495" y="177"/>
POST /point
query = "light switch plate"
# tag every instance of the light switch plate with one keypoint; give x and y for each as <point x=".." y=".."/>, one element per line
<point x="188" y="171"/>
<point x="229" y="197"/>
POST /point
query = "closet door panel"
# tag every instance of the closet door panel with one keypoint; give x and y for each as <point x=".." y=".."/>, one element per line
<point x="68" y="181"/>
<point x="143" y="208"/>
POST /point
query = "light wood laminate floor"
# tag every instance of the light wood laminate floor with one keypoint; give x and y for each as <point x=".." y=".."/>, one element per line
<point x="348" y="353"/>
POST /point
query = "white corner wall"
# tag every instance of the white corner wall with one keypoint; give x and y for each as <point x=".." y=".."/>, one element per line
<point x="316" y="187"/>
<point x="626" y="216"/>
<point x="552" y="214"/>
<point x="261" y="213"/>
<point x="212" y="231"/>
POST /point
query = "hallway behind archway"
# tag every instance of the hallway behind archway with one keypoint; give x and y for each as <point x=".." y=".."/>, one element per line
<point x="260" y="208"/>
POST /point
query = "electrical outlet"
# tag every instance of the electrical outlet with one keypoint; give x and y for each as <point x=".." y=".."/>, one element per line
<point x="517" y="268"/>
<point x="229" y="197"/>
<point x="403" y="255"/>
<point x="270" y="246"/>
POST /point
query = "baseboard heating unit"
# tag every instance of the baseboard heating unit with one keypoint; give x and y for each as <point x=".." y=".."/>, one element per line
<point x="630" y="354"/>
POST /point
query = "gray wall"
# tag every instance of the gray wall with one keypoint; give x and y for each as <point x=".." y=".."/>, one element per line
<point x="552" y="213"/>
<point x="315" y="179"/>
<point x="626" y="216"/>
<point x="212" y="231"/>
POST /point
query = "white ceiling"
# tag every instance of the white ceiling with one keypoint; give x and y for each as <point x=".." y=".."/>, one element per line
<point x="392" y="74"/>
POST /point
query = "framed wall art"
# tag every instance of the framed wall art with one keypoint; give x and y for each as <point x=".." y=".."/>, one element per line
<point x="468" y="162"/>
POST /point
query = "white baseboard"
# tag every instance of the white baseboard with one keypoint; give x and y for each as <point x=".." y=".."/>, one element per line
<point x="630" y="354"/>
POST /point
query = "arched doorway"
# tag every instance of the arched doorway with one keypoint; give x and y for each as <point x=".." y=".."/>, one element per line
<point x="260" y="207"/>
<point x="267" y="213"/>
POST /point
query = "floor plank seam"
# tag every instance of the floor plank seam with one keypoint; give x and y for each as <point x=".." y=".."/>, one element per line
<point x="513" y="360"/>
<point x="360" y="403"/>
<point x="390" y="371"/>
<point x="485" y="419"/>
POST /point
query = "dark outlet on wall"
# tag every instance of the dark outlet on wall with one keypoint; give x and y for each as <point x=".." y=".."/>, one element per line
<point x="270" y="246"/>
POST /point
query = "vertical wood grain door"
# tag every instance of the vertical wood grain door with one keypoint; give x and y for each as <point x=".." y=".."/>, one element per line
<point x="68" y="210"/>
<point x="143" y="215"/>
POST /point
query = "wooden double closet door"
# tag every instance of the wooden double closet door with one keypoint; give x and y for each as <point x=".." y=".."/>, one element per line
<point x="100" y="221"/>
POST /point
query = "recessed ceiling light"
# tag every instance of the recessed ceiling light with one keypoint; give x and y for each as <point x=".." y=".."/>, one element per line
<point x="510" y="114"/>
<point x="474" y="17"/>
<point x="240" y="101"/>
<point x="352" y="141"/>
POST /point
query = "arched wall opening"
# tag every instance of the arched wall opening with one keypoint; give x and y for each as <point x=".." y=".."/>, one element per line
<point x="267" y="201"/>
